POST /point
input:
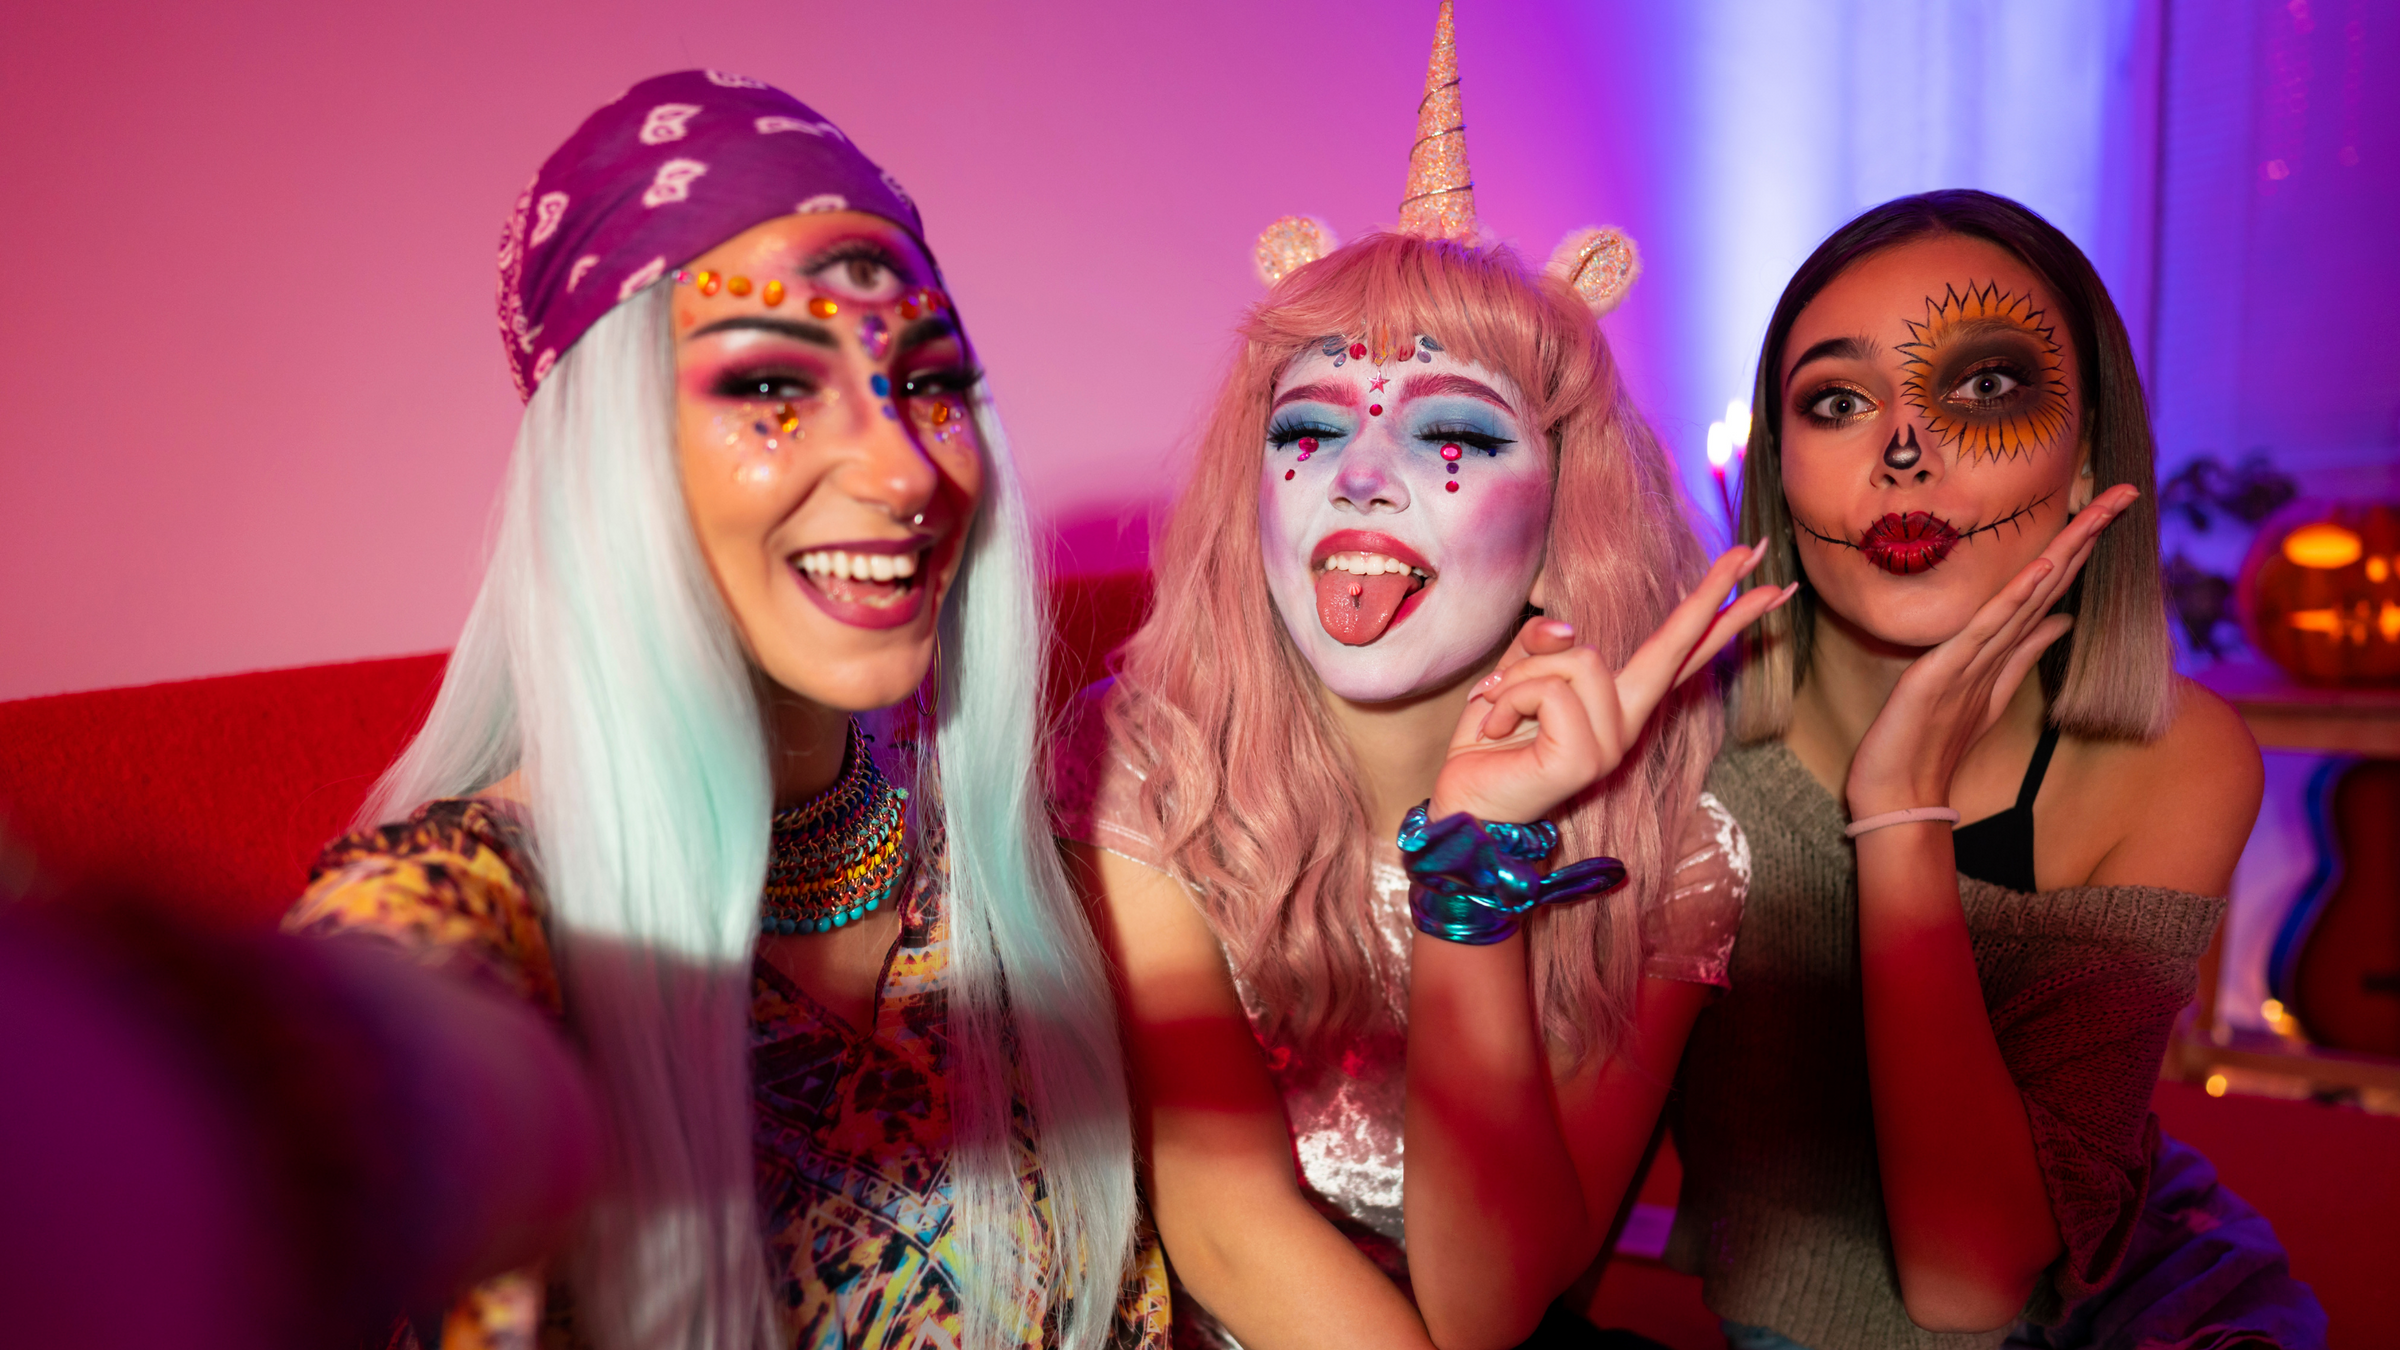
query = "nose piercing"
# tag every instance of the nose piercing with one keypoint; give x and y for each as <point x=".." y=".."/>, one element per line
<point x="1900" y="456"/>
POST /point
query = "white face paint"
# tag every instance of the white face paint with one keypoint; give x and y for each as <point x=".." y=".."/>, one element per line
<point x="1403" y="509"/>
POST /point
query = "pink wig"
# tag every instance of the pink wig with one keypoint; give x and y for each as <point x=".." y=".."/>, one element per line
<point x="1247" y="780"/>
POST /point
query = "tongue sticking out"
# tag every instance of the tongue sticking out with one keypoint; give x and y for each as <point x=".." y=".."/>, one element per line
<point x="1356" y="609"/>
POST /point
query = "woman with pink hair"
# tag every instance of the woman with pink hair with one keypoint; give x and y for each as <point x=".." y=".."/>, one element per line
<point x="1421" y="443"/>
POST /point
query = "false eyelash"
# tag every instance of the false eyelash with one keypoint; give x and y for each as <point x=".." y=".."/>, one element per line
<point x="1285" y="433"/>
<point x="1473" y="440"/>
<point x="763" y="382"/>
<point x="957" y="380"/>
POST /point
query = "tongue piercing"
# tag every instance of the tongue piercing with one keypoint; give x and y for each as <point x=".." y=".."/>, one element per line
<point x="1356" y="590"/>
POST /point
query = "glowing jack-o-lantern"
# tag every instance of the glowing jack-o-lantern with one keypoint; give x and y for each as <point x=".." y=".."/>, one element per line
<point x="2319" y="594"/>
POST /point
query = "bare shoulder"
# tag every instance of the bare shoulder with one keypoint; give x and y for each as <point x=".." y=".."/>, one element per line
<point x="2186" y="801"/>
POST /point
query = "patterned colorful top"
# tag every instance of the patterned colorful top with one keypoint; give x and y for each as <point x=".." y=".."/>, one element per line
<point x="852" y="1128"/>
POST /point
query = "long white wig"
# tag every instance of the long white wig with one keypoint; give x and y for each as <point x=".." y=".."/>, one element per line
<point x="600" y="660"/>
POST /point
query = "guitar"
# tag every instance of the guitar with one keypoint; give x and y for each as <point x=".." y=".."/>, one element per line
<point x="2336" y="959"/>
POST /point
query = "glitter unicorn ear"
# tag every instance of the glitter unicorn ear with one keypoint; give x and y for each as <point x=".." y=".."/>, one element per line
<point x="1598" y="264"/>
<point x="1291" y="244"/>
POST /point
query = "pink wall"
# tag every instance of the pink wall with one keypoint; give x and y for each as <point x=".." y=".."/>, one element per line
<point x="255" y="409"/>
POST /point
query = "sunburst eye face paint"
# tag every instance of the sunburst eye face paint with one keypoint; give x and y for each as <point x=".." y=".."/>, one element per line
<point x="1986" y="373"/>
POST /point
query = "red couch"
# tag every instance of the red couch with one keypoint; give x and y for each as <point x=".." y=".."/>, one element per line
<point x="219" y="792"/>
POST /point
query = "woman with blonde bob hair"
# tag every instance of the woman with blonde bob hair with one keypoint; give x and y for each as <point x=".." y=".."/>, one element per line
<point x="1421" y="441"/>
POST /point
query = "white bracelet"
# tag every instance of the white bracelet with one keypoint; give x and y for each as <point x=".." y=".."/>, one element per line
<point x="1908" y="817"/>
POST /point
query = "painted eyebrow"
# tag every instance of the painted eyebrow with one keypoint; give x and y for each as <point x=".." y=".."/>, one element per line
<point x="1836" y="349"/>
<point x="798" y="332"/>
<point x="1323" y="391"/>
<point x="1426" y="386"/>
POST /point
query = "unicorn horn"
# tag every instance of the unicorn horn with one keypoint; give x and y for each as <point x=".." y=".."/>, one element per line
<point x="1441" y="194"/>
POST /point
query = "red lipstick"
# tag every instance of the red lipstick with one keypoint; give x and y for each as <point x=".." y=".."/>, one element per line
<point x="1905" y="545"/>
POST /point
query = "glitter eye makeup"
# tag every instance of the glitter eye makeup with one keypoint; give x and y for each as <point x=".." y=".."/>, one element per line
<point x="1986" y="373"/>
<point x="1835" y="405"/>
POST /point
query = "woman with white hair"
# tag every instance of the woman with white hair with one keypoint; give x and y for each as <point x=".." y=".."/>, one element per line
<point x="761" y="553"/>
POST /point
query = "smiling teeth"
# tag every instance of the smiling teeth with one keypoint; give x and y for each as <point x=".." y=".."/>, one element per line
<point x="860" y="566"/>
<point x="1370" y="565"/>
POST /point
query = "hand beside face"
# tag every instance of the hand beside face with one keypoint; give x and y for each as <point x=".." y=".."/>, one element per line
<point x="829" y="464"/>
<point x="1931" y="434"/>
<point x="1404" y="508"/>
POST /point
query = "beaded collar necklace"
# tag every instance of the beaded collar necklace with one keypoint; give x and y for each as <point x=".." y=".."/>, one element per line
<point x="838" y="856"/>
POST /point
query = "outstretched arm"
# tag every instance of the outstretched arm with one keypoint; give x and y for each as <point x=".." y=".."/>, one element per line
<point x="1212" y="1132"/>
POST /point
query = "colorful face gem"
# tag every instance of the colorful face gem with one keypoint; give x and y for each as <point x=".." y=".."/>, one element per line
<point x="881" y="384"/>
<point x="1452" y="485"/>
<point x="1287" y="474"/>
<point x="772" y="293"/>
<point x="1451" y="453"/>
<point x="710" y="283"/>
<point x="875" y="336"/>
<point x="1358" y="351"/>
<point x="822" y="308"/>
<point x="737" y="285"/>
<point x="1375" y="386"/>
<point x="1374" y="410"/>
<point x="920" y="302"/>
<point x="683" y="277"/>
<point x="941" y="413"/>
<point x="1451" y="467"/>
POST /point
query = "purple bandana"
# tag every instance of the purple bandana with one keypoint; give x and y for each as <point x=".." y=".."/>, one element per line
<point x="674" y="167"/>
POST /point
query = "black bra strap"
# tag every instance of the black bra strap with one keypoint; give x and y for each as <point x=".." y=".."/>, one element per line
<point x="2034" y="771"/>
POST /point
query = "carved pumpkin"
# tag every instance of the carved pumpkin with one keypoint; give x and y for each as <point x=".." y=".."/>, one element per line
<point x="2320" y="592"/>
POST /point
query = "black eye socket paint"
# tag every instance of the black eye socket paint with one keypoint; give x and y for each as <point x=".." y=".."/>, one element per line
<point x="1986" y="373"/>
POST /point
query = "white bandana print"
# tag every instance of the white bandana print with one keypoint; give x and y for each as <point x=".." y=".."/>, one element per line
<point x="823" y="201"/>
<point x="649" y="272"/>
<point x="673" y="183"/>
<point x="724" y="80"/>
<point x="581" y="269"/>
<point x="897" y="190"/>
<point x="542" y="364"/>
<point x="665" y="122"/>
<point x="768" y="126"/>
<point x="546" y="214"/>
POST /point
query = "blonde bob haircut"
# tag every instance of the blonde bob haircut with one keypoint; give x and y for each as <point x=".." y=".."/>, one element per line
<point x="2112" y="678"/>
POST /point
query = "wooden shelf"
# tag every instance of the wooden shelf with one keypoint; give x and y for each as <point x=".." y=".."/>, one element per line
<point x="2196" y="1055"/>
<point x="2287" y="715"/>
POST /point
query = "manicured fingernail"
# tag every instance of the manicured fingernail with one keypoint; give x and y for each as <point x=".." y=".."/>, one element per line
<point x="1790" y="591"/>
<point x="1757" y="552"/>
<point x="1488" y="683"/>
<point x="1561" y="628"/>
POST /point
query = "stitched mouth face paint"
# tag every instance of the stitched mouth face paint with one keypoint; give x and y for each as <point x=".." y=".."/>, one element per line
<point x="1986" y="372"/>
<point x="1910" y="543"/>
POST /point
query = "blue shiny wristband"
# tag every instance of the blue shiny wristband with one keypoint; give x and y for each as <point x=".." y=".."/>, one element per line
<point x="1474" y="881"/>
